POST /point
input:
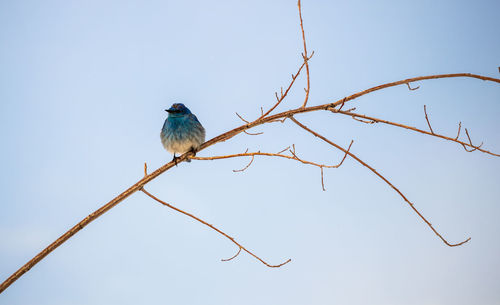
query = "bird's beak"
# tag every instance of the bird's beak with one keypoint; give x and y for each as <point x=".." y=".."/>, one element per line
<point x="167" y="110"/>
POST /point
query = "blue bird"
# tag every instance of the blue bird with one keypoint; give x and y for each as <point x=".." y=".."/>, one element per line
<point x="181" y="132"/>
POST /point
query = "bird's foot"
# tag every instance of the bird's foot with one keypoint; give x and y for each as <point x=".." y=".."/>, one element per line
<point x="192" y="153"/>
<point x="175" y="160"/>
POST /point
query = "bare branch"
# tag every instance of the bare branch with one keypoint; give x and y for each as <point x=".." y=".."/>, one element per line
<point x="258" y="153"/>
<point x="221" y="138"/>
<point x="213" y="228"/>
<point x="427" y="119"/>
<point x="279" y="154"/>
<point x="352" y="114"/>
<point x="283" y="95"/>
<point x="381" y="177"/>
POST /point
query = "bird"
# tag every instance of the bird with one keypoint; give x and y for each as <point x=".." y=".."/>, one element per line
<point x="181" y="132"/>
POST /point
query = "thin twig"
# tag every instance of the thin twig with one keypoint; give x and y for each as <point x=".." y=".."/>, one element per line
<point x="427" y="119"/>
<point x="410" y="88"/>
<point x="248" y="165"/>
<point x="381" y="177"/>
<point x="214" y="228"/>
<point x="242" y="118"/>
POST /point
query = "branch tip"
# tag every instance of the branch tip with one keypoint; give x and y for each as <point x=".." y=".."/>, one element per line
<point x="213" y="228"/>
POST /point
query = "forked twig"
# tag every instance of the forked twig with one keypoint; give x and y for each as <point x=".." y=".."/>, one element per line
<point x="220" y="138"/>
<point x="258" y="153"/>
<point x="470" y="143"/>
<point x="381" y="177"/>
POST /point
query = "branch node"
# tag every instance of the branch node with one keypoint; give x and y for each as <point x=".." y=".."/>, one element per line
<point x="470" y="143"/>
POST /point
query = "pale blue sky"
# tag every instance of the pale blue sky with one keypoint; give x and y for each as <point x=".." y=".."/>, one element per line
<point x="83" y="86"/>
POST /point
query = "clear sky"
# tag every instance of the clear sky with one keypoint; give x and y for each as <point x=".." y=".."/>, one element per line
<point x="83" y="88"/>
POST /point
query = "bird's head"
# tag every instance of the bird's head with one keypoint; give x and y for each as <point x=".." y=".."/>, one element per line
<point x="177" y="109"/>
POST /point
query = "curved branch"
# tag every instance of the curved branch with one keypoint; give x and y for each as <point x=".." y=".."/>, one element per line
<point x="220" y="138"/>
<point x="381" y="177"/>
<point x="464" y="144"/>
<point x="214" y="228"/>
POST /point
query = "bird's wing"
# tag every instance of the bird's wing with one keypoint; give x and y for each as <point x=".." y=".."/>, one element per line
<point x="194" y="117"/>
